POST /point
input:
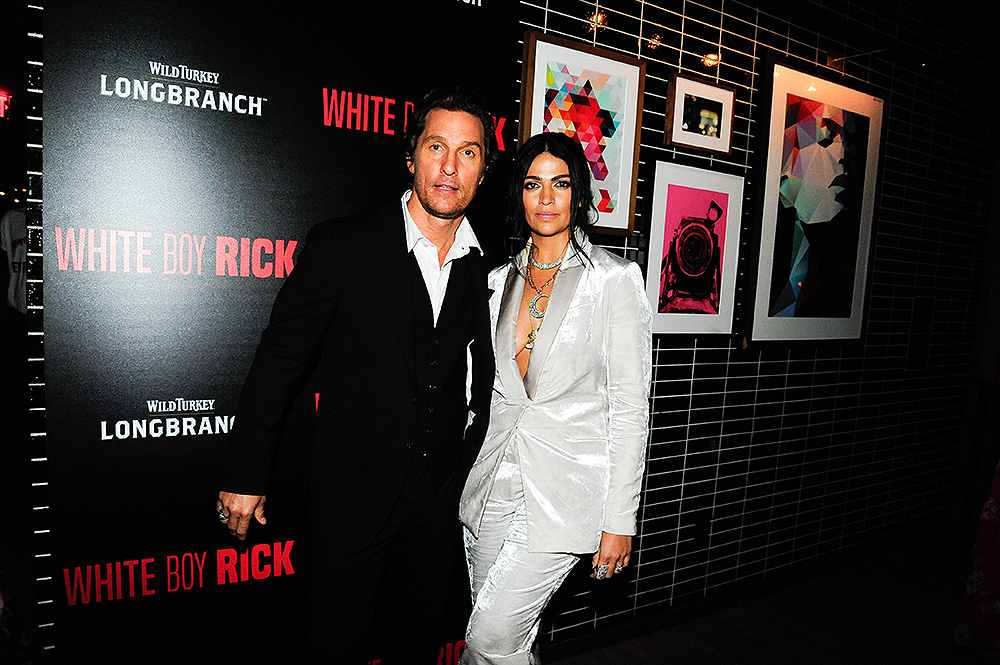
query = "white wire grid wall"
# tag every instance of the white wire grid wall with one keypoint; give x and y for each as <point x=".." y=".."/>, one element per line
<point x="45" y="588"/>
<point x="768" y="460"/>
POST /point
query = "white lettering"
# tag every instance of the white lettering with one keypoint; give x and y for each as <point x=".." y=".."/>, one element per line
<point x="159" y="92"/>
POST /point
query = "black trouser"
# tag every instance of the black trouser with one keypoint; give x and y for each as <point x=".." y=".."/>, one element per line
<point x="404" y="573"/>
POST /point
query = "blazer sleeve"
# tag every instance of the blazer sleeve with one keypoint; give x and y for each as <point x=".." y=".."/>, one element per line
<point x="288" y="349"/>
<point x="629" y="338"/>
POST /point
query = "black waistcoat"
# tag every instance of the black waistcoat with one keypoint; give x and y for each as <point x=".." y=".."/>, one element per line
<point x="441" y="368"/>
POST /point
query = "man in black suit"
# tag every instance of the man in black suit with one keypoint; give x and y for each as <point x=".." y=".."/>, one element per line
<point x="393" y="305"/>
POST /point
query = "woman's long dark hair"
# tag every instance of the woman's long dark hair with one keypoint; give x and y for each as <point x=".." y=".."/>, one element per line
<point x="567" y="149"/>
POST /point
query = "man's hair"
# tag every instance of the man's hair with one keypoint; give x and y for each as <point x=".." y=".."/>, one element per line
<point x="452" y="98"/>
<point x="568" y="150"/>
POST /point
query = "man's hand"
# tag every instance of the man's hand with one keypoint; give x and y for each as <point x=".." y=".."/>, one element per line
<point x="237" y="509"/>
<point x="612" y="556"/>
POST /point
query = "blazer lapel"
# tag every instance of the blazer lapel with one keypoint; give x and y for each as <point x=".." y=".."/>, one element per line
<point x="563" y="290"/>
<point x="506" y="334"/>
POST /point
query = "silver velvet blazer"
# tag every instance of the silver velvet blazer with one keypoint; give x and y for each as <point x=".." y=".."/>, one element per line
<point x="579" y="417"/>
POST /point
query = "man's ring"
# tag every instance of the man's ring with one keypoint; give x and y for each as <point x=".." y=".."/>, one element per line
<point x="602" y="571"/>
<point x="223" y="517"/>
<point x="619" y="568"/>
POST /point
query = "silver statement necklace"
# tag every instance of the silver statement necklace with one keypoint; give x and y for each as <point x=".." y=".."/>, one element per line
<point x="539" y="292"/>
<point x="545" y="266"/>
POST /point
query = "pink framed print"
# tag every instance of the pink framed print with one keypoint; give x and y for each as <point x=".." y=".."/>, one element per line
<point x="693" y="249"/>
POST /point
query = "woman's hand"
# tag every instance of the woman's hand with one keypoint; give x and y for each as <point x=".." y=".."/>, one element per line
<point x="612" y="556"/>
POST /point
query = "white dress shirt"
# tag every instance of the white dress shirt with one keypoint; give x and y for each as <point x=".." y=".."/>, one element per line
<point x="435" y="273"/>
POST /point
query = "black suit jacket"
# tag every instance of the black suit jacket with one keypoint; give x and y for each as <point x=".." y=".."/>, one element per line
<point x="348" y="306"/>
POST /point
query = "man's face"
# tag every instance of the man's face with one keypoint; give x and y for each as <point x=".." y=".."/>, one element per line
<point x="447" y="164"/>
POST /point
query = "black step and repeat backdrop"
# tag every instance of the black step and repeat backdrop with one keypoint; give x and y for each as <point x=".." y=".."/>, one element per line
<point x="187" y="150"/>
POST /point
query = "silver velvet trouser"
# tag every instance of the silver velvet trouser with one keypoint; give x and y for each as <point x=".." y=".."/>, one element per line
<point x="510" y="585"/>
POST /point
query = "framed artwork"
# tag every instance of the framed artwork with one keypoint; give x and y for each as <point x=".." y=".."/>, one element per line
<point x="694" y="244"/>
<point x="817" y="201"/>
<point x="594" y="95"/>
<point x="699" y="115"/>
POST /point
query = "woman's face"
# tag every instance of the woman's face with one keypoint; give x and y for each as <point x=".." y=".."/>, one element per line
<point x="548" y="197"/>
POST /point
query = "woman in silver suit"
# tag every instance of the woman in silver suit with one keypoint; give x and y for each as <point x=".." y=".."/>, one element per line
<point x="560" y="472"/>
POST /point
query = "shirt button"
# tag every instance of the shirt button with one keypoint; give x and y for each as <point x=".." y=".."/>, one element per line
<point x="409" y="445"/>
<point x="432" y="387"/>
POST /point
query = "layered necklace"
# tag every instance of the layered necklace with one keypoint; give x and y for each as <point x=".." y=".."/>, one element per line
<point x="533" y="310"/>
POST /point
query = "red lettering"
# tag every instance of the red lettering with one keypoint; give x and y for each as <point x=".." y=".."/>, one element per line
<point x="201" y="567"/>
<point x="126" y="236"/>
<point x="331" y="109"/>
<point x="407" y="112"/>
<point x="375" y="101"/>
<point x="146" y="591"/>
<point x="244" y="257"/>
<point x="102" y="249"/>
<point x="450" y="654"/>
<point x="363" y="112"/>
<point x="282" y="559"/>
<point x="74" y="248"/>
<point x="354" y="111"/>
<point x="226" y="250"/>
<point x="140" y="252"/>
<point x="197" y="248"/>
<point x="252" y="563"/>
<point x="131" y="576"/>
<point x="260" y="268"/>
<point x="180" y="253"/>
<point x="225" y="566"/>
<point x="387" y="116"/>
<point x="105" y="582"/>
<point x="78" y="588"/>
<point x="173" y="577"/>
<point x="499" y="123"/>
<point x="181" y="571"/>
<point x="258" y="572"/>
<point x="187" y="572"/>
<point x="283" y="257"/>
<point x="169" y="251"/>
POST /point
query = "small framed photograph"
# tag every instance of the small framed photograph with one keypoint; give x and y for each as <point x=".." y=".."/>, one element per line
<point x="694" y="244"/>
<point x="595" y="96"/>
<point x="699" y="115"/>
<point x="816" y="207"/>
